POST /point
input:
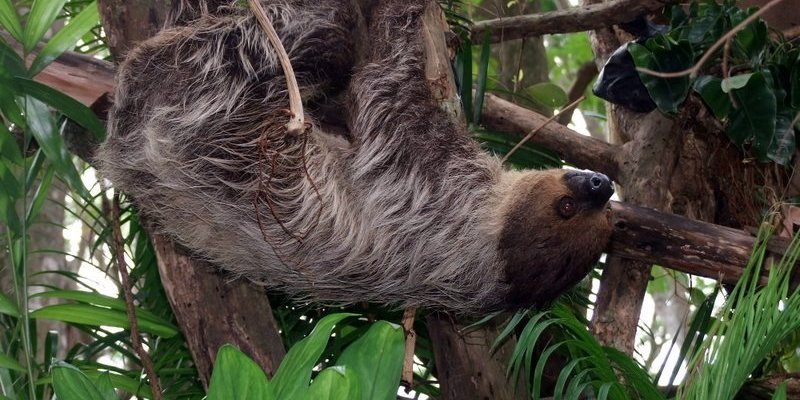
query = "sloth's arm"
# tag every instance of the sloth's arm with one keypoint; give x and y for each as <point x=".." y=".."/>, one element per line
<point x="395" y="120"/>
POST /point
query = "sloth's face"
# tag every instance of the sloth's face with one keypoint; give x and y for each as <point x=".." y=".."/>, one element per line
<point x="555" y="229"/>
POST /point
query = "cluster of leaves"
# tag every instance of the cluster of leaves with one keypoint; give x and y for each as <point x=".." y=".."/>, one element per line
<point x="367" y="369"/>
<point x="752" y="85"/>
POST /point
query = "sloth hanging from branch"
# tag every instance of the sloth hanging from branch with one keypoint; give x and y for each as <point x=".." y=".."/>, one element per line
<point x="384" y="198"/>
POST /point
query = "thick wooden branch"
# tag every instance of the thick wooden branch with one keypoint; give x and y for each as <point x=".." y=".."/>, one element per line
<point x="574" y="148"/>
<point x="683" y="244"/>
<point x="576" y="19"/>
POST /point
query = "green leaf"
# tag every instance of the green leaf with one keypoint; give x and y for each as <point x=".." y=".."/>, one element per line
<point x="782" y="148"/>
<point x="335" y="383"/>
<point x="751" y="41"/>
<point x="105" y="386"/>
<point x="8" y="307"/>
<point x="663" y="55"/>
<point x="735" y="82"/>
<point x="97" y="316"/>
<point x="70" y="107"/>
<point x="9" y="150"/>
<point x="754" y="119"/>
<point x="292" y="378"/>
<point x="236" y="376"/>
<point x="10" y="62"/>
<point x="41" y="195"/>
<point x="102" y="300"/>
<point x="133" y="386"/>
<point x="10" y="20"/>
<point x="42" y="126"/>
<point x="547" y="94"/>
<point x="377" y="359"/>
<point x="66" y="38"/>
<point x="710" y="90"/>
<point x="10" y="363"/>
<point x="69" y="383"/>
<point x="40" y="19"/>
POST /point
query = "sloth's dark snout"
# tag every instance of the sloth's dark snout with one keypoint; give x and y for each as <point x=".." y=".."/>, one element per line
<point x="599" y="188"/>
<point x="592" y="186"/>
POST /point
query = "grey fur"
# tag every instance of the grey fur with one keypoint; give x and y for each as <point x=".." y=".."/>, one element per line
<point x="402" y="209"/>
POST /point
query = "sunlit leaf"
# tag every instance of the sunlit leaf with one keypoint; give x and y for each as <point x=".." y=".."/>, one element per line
<point x="293" y="376"/>
<point x="102" y="300"/>
<point x="66" y="38"/>
<point x="10" y="20"/>
<point x="735" y="82"/>
<point x="236" y="376"/>
<point x="377" y="359"/>
<point x="336" y="383"/>
<point x="40" y="19"/>
<point x="97" y="316"/>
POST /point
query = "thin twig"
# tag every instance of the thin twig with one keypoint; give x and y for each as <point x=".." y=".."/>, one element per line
<point x="411" y="338"/>
<point x="695" y="69"/>
<point x="119" y="253"/>
<point x="527" y="137"/>
<point x="296" y="124"/>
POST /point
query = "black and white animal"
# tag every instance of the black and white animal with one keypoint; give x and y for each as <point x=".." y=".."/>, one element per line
<point x="399" y="206"/>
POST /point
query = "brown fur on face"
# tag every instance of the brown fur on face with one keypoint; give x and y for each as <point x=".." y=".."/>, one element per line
<point x="545" y="252"/>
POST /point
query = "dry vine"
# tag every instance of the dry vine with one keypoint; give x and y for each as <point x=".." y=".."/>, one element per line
<point x="122" y="266"/>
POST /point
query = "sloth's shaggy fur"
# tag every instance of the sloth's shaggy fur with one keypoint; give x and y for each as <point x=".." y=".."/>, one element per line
<point x="402" y="208"/>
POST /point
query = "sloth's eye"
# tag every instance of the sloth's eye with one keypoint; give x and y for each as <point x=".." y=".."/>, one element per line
<point x="567" y="207"/>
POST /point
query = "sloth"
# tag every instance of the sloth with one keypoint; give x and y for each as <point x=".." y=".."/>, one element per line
<point x="394" y="204"/>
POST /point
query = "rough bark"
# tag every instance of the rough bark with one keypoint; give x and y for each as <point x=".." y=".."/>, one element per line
<point x="465" y="367"/>
<point x="214" y="310"/>
<point x="210" y="308"/>
<point x="578" y="19"/>
<point x="576" y="149"/>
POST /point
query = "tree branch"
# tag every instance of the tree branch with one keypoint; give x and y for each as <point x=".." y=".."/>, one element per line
<point x="576" y="149"/>
<point x="576" y="19"/>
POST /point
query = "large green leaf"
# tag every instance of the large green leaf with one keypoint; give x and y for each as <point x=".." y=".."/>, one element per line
<point x="377" y="359"/>
<point x="70" y="107"/>
<point x="662" y="55"/>
<point x="238" y="377"/>
<point x="98" y="316"/>
<point x="710" y="90"/>
<point x="338" y="383"/>
<point x="755" y="116"/>
<point x="42" y="127"/>
<point x="70" y="383"/>
<point x="133" y="386"/>
<point x="10" y="363"/>
<point x="10" y="20"/>
<point x="65" y="38"/>
<point x="40" y="19"/>
<point x="294" y="374"/>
